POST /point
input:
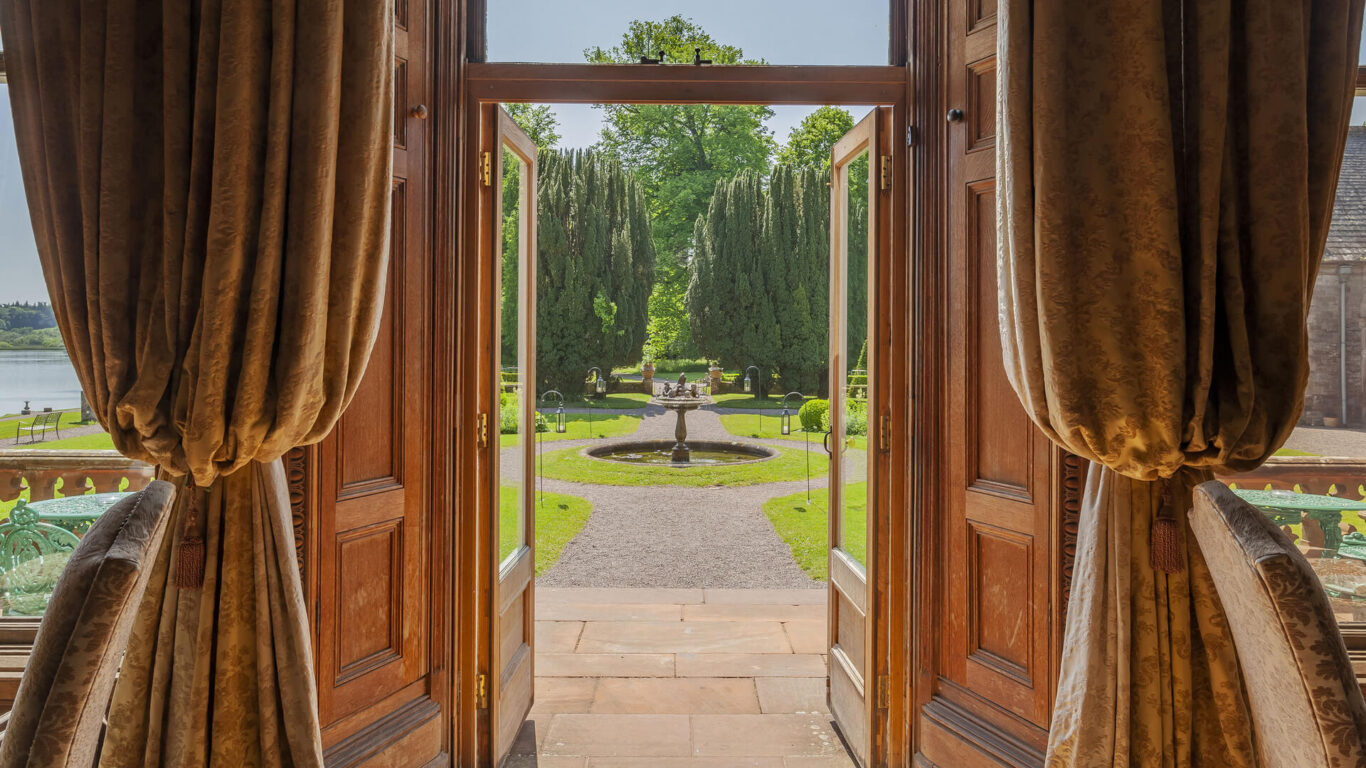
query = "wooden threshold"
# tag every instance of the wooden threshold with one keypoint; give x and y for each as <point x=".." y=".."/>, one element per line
<point x="684" y="83"/>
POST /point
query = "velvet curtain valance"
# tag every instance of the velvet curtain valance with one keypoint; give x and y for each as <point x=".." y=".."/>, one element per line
<point x="1167" y="172"/>
<point x="209" y="187"/>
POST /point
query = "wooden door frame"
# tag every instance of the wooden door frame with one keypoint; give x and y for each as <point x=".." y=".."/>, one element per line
<point x="548" y="83"/>
<point x="461" y="83"/>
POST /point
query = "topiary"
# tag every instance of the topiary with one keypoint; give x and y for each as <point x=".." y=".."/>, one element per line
<point x="812" y="414"/>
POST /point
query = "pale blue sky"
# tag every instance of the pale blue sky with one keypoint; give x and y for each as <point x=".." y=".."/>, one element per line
<point x="779" y="31"/>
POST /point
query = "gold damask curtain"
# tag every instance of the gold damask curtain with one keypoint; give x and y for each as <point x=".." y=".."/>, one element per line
<point x="1167" y="170"/>
<point x="209" y="188"/>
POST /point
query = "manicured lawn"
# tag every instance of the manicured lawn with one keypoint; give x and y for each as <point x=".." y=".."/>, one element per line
<point x="577" y="424"/>
<point x="767" y="427"/>
<point x="746" y="401"/>
<point x="10" y="425"/>
<point x="100" y="441"/>
<point x="559" y="518"/>
<point x="570" y="465"/>
<point x="1293" y="452"/>
<point x="618" y="401"/>
<point x="804" y="526"/>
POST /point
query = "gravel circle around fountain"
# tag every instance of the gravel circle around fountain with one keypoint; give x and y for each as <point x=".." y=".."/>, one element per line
<point x="679" y="536"/>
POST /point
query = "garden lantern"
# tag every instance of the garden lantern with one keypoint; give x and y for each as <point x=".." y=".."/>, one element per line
<point x="600" y="382"/>
<point x="747" y="384"/>
<point x="602" y="385"/>
<point x="561" y="421"/>
<point x="785" y="420"/>
<point x="750" y="383"/>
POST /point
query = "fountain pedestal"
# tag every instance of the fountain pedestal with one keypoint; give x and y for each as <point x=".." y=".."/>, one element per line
<point x="681" y="454"/>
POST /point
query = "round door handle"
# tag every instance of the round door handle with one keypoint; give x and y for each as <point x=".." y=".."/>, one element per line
<point x="420" y="112"/>
<point x="954" y="116"/>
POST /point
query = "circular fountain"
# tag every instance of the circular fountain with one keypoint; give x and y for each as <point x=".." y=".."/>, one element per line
<point x="681" y="399"/>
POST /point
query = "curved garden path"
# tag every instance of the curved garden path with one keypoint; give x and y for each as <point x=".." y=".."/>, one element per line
<point x="676" y="536"/>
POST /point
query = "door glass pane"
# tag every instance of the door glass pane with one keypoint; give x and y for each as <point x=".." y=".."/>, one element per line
<point x="852" y="428"/>
<point x="512" y="355"/>
<point x="749" y="32"/>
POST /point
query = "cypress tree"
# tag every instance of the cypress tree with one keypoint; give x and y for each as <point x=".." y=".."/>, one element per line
<point x="595" y="269"/>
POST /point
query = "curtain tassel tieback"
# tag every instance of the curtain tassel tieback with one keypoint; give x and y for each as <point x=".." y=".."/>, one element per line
<point x="1165" y="543"/>
<point x="189" y="572"/>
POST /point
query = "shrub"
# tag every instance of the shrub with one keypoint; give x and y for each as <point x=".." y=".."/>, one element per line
<point x="508" y="410"/>
<point x="812" y="414"/>
<point x="855" y="417"/>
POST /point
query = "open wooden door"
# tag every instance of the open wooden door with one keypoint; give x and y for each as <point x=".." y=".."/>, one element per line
<point x="507" y="425"/>
<point x="860" y="193"/>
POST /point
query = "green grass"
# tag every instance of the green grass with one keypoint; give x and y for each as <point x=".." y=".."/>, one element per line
<point x="746" y="401"/>
<point x="1293" y="452"/>
<point x="559" y="518"/>
<point x="9" y="426"/>
<point x="804" y="526"/>
<point x="100" y="441"/>
<point x="577" y="424"/>
<point x="570" y="465"/>
<point x="765" y="427"/>
<point x="617" y="401"/>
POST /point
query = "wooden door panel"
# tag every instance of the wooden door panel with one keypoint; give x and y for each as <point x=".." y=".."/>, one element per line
<point x="991" y="691"/>
<point x="372" y="588"/>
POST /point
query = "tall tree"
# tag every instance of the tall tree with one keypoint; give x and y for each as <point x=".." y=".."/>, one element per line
<point x="539" y="122"/>
<point x="679" y="153"/>
<point x="809" y="144"/>
<point x="595" y="271"/>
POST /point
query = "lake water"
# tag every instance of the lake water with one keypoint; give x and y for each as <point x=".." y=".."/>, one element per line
<point x="44" y="377"/>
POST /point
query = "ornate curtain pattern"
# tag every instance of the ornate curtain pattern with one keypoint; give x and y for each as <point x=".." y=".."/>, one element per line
<point x="209" y="184"/>
<point x="1167" y="170"/>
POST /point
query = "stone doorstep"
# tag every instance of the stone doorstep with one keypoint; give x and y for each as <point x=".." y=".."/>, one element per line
<point x="753" y="612"/>
<point x="605" y="665"/>
<point x="647" y="738"/>
<point x="667" y="596"/>
<point x="684" y="637"/>
<point x="675" y="696"/>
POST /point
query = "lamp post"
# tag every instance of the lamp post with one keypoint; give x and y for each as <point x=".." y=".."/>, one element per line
<point x="785" y="428"/>
<point x="749" y="388"/>
<point x="561" y="426"/>
<point x="600" y="387"/>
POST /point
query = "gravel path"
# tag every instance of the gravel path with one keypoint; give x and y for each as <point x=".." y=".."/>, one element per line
<point x="674" y="536"/>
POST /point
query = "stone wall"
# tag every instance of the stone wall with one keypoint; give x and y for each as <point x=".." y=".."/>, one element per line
<point x="1321" y="398"/>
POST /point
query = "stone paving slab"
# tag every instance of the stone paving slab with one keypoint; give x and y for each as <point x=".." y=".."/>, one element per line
<point x="677" y="693"/>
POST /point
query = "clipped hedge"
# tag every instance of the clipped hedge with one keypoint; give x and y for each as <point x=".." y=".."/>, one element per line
<point x="812" y="414"/>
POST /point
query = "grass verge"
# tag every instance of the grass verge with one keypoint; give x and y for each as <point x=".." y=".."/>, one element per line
<point x="804" y="526"/>
<point x="99" y="441"/>
<point x="570" y="465"/>
<point x="9" y="426"/>
<point x="767" y="427"/>
<point x="747" y="402"/>
<point x="577" y="427"/>
<point x="559" y="518"/>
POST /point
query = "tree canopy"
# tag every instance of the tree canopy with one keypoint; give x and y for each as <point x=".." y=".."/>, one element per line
<point x="679" y="153"/>
<point x="595" y="270"/>
<point x="808" y="145"/>
<point x="758" y="289"/>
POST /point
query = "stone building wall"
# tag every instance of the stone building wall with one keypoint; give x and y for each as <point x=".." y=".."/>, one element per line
<point x="1322" y="394"/>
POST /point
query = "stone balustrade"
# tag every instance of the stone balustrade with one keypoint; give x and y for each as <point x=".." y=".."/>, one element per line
<point x="38" y="475"/>
<point x="1341" y="477"/>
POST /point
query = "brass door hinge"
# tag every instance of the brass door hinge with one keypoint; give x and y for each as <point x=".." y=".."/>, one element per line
<point x="886" y="172"/>
<point x="884" y="692"/>
<point x="481" y="430"/>
<point x="481" y="692"/>
<point x="488" y="169"/>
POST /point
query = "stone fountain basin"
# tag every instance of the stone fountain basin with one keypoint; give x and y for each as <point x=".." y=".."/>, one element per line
<point x="642" y="451"/>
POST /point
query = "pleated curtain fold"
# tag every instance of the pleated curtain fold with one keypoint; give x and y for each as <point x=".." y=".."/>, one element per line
<point x="1167" y="172"/>
<point x="209" y="187"/>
